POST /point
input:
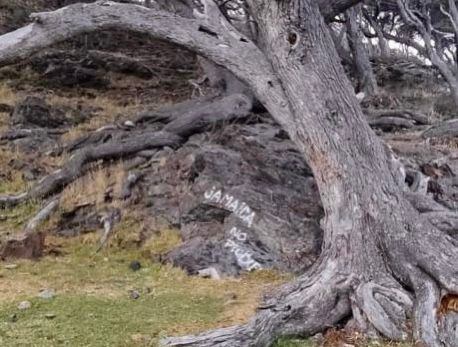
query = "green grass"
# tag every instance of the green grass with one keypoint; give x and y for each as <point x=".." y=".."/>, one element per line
<point x="93" y="306"/>
<point x="98" y="321"/>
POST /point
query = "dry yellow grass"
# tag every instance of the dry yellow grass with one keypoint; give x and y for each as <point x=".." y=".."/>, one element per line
<point x="106" y="110"/>
<point x="163" y="241"/>
<point x="9" y="97"/>
<point x="92" y="187"/>
<point x="11" y="180"/>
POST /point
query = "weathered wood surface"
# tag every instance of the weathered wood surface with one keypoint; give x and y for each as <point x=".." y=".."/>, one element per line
<point x="446" y="129"/>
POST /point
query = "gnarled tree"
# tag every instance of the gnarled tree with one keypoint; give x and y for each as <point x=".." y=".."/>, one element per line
<point x="382" y="263"/>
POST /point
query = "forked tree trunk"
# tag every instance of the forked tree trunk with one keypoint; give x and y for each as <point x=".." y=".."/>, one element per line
<point x="381" y="262"/>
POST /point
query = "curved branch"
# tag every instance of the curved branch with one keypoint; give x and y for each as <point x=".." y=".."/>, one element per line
<point x="218" y="40"/>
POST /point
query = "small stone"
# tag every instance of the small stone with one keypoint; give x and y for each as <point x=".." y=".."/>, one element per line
<point x="24" y="305"/>
<point x="10" y="266"/>
<point x="50" y="315"/>
<point x="134" y="294"/>
<point x="135" y="265"/>
<point x="360" y="96"/>
<point x="47" y="294"/>
<point x="210" y="272"/>
<point x="129" y="123"/>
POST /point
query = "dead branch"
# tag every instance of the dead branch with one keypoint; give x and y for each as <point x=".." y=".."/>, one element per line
<point x="41" y="216"/>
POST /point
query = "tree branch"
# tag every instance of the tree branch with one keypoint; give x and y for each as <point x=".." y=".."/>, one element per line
<point x="218" y="41"/>
<point x="330" y="9"/>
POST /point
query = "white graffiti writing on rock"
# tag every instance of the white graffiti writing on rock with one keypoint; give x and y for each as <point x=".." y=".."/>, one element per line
<point x="244" y="258"/>
<point x="239" y="208"/>
<point x="239" y="235"/>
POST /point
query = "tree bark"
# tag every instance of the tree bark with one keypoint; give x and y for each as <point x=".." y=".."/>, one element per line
<point x="366" y="78"/>
<point x="375" y="243"/>
<point x="381" y="262"/>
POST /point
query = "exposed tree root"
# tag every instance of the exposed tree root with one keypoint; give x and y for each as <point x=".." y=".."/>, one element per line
<point x="15" y="134"/>
<point x="301" y="308"/>
<point x="189" y="121"/>
<point x="446" y="129"/>
<point x="336" y="288"/>
<point x="386" y="308"/>
<point x="410" y="115"/>
<point x="42" y="215"/>
<point x="425" y="312"/>
<point x="394" y="119"/>
<point x="389" y="123"/>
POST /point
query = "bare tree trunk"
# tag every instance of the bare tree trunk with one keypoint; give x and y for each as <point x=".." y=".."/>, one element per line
<point x="366" y="77"/>
<point x="382" y="262"/>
